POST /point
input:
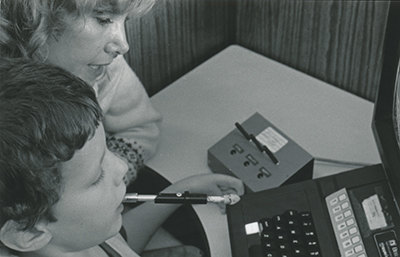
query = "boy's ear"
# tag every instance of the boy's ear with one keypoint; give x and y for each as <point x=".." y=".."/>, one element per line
<point x="24" y="240"/>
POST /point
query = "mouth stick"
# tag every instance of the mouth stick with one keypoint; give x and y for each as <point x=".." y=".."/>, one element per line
<point x="230" y="199"/>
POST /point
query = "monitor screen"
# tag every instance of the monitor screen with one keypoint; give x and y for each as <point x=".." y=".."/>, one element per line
<point x="386" y="120"/>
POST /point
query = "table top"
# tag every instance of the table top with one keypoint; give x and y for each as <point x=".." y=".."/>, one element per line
<point x="202" y="106"/>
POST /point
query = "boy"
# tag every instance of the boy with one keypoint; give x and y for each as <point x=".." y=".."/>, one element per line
<point x="61" y="189"/>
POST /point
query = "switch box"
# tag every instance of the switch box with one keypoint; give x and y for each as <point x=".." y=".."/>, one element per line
<point x="236" y="155"/>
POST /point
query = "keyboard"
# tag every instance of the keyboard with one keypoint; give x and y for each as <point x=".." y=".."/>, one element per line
<point x="291" y="234"/>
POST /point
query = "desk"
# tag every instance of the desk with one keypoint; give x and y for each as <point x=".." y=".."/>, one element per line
<point x="201" y="107"/>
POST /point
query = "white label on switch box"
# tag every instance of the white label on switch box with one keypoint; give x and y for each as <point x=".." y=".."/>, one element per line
<point x="272" y="139"/>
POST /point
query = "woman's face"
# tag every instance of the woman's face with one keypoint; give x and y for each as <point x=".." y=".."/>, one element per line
<point x="88" y="45"/>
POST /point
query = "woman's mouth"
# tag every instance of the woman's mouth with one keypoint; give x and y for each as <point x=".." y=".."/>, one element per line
<point x="96" y="70"/>
<point x="94" y="67"/>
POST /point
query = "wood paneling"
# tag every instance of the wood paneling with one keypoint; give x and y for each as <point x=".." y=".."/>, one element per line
<point x="176" y="36"/>
<point x="339" y="42"/>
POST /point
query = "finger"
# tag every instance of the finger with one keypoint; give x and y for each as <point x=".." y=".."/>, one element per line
<point x="229" y="191"/>
<point x="231" y="182"/>
<point x="233" y="190"/>
<point x="223" y="188"/>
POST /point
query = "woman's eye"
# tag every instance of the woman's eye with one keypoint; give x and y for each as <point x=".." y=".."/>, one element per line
<point x="104" y="21"/>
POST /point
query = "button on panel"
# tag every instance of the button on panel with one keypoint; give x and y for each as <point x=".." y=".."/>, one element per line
<point x="252" y="159"/>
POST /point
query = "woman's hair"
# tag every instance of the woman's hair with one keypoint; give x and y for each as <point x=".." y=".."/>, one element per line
<point x="46" y="115"/>
<point x="25" y="25"/>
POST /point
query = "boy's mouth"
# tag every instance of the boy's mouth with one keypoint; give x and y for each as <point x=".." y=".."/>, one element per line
<point x="120" y="208"/>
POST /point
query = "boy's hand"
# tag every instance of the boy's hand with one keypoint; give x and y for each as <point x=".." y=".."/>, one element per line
<point x="210" y="184"/>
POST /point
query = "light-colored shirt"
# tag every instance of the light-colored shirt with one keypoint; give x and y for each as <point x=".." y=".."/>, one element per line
<point x="131" y="122"/>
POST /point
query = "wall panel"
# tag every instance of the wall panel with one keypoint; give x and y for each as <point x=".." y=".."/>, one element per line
<point x="339" y="42"/>
<point x="176" y="36"/>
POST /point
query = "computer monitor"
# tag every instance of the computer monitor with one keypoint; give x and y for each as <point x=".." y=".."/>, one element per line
<point x="386" y="120"/>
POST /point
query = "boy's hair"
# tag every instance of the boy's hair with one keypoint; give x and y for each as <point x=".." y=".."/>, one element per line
<point x="25" y="25"/>
<point x="46" y="114"/>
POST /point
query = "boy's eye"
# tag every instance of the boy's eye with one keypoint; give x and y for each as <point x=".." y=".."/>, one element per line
<point x="104" y="21"/>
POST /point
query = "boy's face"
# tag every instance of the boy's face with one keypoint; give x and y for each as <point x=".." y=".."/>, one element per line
<point x="89" y="210"/>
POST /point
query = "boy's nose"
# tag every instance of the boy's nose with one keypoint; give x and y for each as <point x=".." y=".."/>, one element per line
<point x="118" y="43"/>
<point x="120" y="169"/>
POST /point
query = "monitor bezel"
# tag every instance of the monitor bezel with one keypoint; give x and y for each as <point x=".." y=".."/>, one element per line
<point x="383" y="124"/>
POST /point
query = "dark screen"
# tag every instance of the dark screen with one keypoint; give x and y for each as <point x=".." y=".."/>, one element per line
<point x="386" y="120"/>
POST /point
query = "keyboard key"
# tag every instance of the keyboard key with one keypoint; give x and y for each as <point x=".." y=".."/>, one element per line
<point x="350" y="222"/>
<point x="309" y="232"/>
<point x="345" y="205"/>
<point x="280" y="228"/>
<point x="268" y="235"/>
<point x="252" y="228"/>
<point x="355" y="239"/>
<point x="334" y="201"/>
<point x="282" y="236"/>
<point x="353" y="230"/>
<point x="314" y="252"/>
<point x="305" y="215"/>
<point x="299" y="251"/>
<point x="312" y="243"/>
<point x="337" y="209"/>
<point x="344" y="234"/>
<point x="349" y="253"/>
<point x="347" y="243"/>
<point x="297" y="241"/>
<point x="284" y="247"/>
<point x="358" y="248"/>
<point x="293" y="222"/>
<point x="278" y="219"/>
<point x="295" y="232"/>
<point x="339" y="217"/>
<point x="290" y="213"/>
<point x="270" y="245"/>
<point x="342" y="197"/>
<point x="307" y="223"/>
<point x="265" y="224"/>
<point x="272" y="254"/>
<point x="341" y="226"/>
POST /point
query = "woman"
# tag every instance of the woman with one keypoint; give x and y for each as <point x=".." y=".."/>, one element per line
<point x="87" y="38"/>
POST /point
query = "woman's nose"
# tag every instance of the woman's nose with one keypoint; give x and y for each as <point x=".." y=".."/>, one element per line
<point x="118" y="43"/>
